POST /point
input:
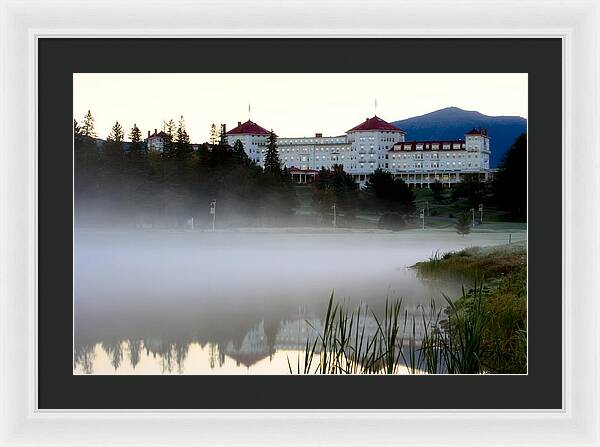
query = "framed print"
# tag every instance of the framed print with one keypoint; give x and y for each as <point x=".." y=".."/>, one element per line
<point x="356" y="231"/>
<point x="326" y="260"/>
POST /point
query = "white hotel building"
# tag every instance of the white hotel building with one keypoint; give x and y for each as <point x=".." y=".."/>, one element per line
<point x="371" y="145"/>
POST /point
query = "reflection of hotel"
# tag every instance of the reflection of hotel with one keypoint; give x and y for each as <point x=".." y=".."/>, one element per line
<point x="370" y="145"/>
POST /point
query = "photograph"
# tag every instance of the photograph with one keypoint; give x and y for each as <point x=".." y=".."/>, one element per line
<point x="300" y="223"/>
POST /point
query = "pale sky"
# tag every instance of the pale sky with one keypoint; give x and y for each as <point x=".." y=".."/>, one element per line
<point x="291" y="104"/>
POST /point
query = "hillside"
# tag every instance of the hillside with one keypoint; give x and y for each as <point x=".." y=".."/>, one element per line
<point x="452" y="123"/>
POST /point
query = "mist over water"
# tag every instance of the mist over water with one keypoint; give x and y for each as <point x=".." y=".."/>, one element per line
<point x="225" y="302"/>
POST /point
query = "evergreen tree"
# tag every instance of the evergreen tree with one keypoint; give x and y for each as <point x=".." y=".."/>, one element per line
<point x="509" y="188"/>
<point x="87" y="128"/>
<point x="182" y="146"/>
<point x="213" y="134"/>
<point x="86" y="154"/>
<point x="272" y="162"/>
<point x="77" y="137"/>
<point x="114" y="142"/>
<point x="169" y="128"/>
<point x="116" y="134"/>
<point x="169" y="146"/>
<point x="136" y="148"/>
<point x="463" y="225"/>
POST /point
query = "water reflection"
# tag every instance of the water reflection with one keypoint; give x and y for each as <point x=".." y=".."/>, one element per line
<point x="234" y="303"/>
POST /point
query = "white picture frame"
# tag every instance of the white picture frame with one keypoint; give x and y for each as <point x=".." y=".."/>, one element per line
<point x="577" y="23"/>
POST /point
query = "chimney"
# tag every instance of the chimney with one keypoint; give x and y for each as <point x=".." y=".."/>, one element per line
<point x="148" y="134"/>
<point x="224" y="128"/>
<point x="154" y="131"/>
<point x="318" y="135"/>
<point x="366" y="119"/>
<point x="239" y="123"/>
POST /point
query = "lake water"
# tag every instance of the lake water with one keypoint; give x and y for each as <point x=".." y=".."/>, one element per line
<point x="237" y="302"/>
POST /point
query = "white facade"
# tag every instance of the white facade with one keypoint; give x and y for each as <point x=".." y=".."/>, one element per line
<point x="157" y="141"/>
<point x="374" y="144"/>
<point x="420" y="163"/>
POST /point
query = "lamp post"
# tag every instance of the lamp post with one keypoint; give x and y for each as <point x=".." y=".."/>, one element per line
<point x="334" y="216"/>
<point x="422" y="216"/>
<point x="213" y="211"/>
<point x="481" y="213"/>
<point x="473" y="217"/>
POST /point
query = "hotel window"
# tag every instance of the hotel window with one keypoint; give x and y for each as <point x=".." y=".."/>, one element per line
<point x="419" y="147"/>
<point x="435" y="147"/>
<point x="446" y="147"/>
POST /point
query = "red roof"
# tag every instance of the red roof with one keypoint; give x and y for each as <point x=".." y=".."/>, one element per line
<point x="160" y="134"/>
<point x="400" y="146"/>
<point x="375" y="123"/>
<point x="480" y="131"/>
<point x="248" y="128"/>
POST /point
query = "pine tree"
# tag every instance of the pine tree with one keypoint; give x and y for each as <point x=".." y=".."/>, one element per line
<point x="223" y="137"/>
<point x="272" y="162"/>
<point x="213" y="134"/>
<point x="136" y="149"/>
<point x="182" y="146"/>
<point x="169" y="128"/>
<point x="114" y="142"/>
<point x="76" y="133"/>
<point x="169" y="147"/>
<point x="87" y="128"/>
<point x="463" y="226"/>
<point x="116" y="134"/>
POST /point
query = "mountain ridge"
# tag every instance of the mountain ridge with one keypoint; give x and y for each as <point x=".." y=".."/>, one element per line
<point x="451" y="123"/>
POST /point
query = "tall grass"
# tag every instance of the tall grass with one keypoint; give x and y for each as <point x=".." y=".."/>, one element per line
<point x="452" y="340"/>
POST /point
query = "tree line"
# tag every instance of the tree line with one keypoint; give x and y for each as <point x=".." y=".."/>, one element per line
<point x="119" y="182"/>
